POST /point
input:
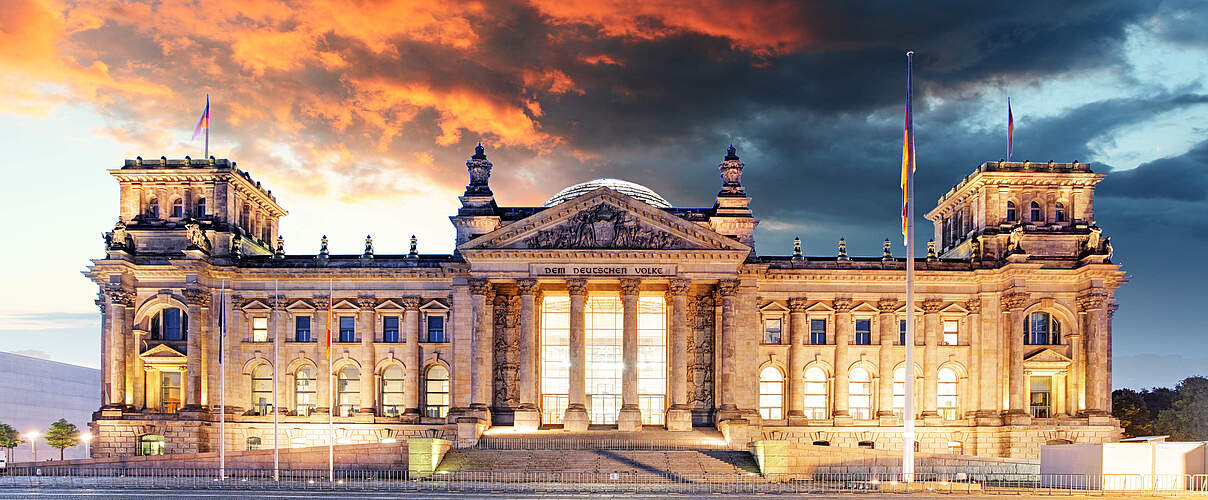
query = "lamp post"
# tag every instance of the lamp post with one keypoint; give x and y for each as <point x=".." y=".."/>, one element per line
<point x="32" y="436"/>
<point x="85" y="438"/>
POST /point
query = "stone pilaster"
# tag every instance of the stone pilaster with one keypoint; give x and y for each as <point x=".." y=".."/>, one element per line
<point x="727" y="290"/>
<point x="576" y="409"/>
<point x="319" y="330"/>
<point x="889" y="334"/>
<point x="1098" y="394"/>
<point x="630" y="418"/>
<point x="481" y="373"/>
<point x="526" y="418"/>
<point x="931" y="335"/>
<point x="1012" y="306"/>
<point x="113" y="380"/>
<point x="843" y="336"/>
<point x="198" y="303"/>
<point x="679" y="416"/>
<point x="798" y="333"/>
<point x="411" y="360"/>
<point x="367" y="327"/>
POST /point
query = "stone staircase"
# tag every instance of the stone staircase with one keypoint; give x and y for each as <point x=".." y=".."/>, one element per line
<point x="597" y="465"/>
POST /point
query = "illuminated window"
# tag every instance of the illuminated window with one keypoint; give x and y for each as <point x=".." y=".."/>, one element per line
<point x="899" y="392"/>
<point x="1034" y="214"/>
<point x="818" y="331"/>
<point x="262" y="389"/>
<point x="555" y="358"/>
<point x="604" y="358"/>
<point x="260" y="329"/>
<point x="1042" y="328"/>
<point x="348" y="391"/>
<point x="947" y="393"/>
<point x="253" y="443"/>
<point x="950" y="329"/>
<point x="1059" y="212"/>
<point x="304" y="390"/>
<point x="863" y="332"/>
<point x="390" y="329"/>
<point x="199" y="209"/>
<point x="1040" y="402"/>
<point x="1011" y="213"/>
<point x="169" y="392"/>
<point x="652" y="359"/>
<point x="816" y="396"/>
<point x="771" y="393"/>
<point x="771" y="330"/>
<point x="169" y="324"/>
<point x="150" y="444"/>
<point x="436" y="392"/>
<point x="392" y="391"/>
<point x="302" y="329"/>
<point x="178" y="208"/>
<point x="347" y="329"/>
<point x="859" y="393"/>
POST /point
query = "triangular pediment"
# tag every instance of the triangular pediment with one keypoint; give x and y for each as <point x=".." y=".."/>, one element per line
<point x="161" y="352"/>
<point x="603" y="219"/>
<point x="1046" y="356"/>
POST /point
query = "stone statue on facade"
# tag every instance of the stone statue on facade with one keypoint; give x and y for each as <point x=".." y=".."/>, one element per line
<point x="196" y="236"/>
<point x="118" y="239"/>
<point x="1015" y="240"/>
<point x="603" y="227"/>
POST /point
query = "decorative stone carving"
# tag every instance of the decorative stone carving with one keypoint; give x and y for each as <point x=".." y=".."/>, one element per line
<point x="119" y="296"/>
<point x="932" y="305"/>
<point x="236" y="246"/>
<point x="526" y="286"/>
<point x="931" y="257"/>
<point x="413" y="252"/>
<point x="479" y="286"/>
<point x="975" y="249"/>
<point x="368" y="253"/>
<point x="679" y="286"/>
<point x="323" y="248"/>
<point x="119" y="239"/>
<point x="197" y="296"/>
<point x="843" y="250"/>
<point x="506" y="389"/>
<point x="1015" y="240"/>
<point x="602" y="227"/>
<point x="797" y="304"/>
<point x="366" y="301"/>
<point x="630" y="286"/>
<point x="731" y="174"/>
<point x="197" y="237"/>
<point x="889" y="305"/>
<point x="1093" y="300"/>
<point x="842" y="304"/>
<point x="727" y="288"/>
<point x="973" y="305"/>
<point x="1013" y="301"/>
<point x="797" y="248"/>
<point x="1111" y="310"/>
<point x="480" y="173"/>
<point x="700" y="351"/>
<point x="410" y="303"/>
<point x="887" y="251"/>
<point x="279" y="253"/>
<point x="576" y="286"/>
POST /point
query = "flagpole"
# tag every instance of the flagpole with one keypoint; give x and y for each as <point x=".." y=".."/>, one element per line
<point x="1010" y="130"/>
<point x="908" y="405"/>
<point x="222" y="388"/>
<point x="331" y="390"/>
<point x="207" y="149"/>
<point x="276" y="370"/>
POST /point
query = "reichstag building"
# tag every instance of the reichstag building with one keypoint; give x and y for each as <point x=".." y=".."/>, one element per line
<point x="604" y="308"/>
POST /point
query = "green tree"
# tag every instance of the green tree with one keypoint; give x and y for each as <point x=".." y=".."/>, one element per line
<point x="1130" y="407"/>
<point x="1187" y="417"/>
<point x="9" y="439"/>
<point x="62" y="434"/>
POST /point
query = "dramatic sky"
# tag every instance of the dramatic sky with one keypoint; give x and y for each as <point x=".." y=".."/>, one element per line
<point x="360" y="116"/>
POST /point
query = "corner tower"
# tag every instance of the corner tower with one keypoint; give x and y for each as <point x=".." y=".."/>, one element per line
<point x="477" y="213"/>
<point x="732" y="212"/>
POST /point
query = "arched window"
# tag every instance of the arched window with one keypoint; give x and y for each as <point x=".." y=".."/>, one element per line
<point x="199" y="208"/>
<point x="946" y="393"/>
<point x="304" y="390"/>
<point x="1034" y="214"/>
<point x="859" y="394"/>
<point x="262" y="389"/>
<point x="1012" y="216"/>
<point x="816" y="395"/>
<point x="178" y="208"/>
<point x="436" y="392"/>
<point x="348" y="391"/>
<point x="1042" y="328"/>
<point x="153" y="208"/>
<point x="170" y="323"/>
<point x="1059" y="212"/>
<point x="150" y="444"/>
<point x="392" y="391"/>
<point x="771" y="394"/>
<point x="253" y="443"/>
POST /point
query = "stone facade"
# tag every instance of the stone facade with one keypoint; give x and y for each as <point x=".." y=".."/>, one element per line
<point x="1013" y="320"/>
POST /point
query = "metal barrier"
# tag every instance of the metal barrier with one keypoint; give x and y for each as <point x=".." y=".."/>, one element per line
<point x="596" y="443"/>
<point x="602" y="482"/>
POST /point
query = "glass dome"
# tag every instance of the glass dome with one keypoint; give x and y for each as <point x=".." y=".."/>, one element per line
<point x="637" y="191"/>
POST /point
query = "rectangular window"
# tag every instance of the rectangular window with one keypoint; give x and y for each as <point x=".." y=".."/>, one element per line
<point x="950" y="328"/>
<point x="347" y="329"/>
<point x="603" y="337"/>
<point x="555" y="358"/>
<point x="901" y="332"/>
<point x="652" y="359"/>
<point x="302" y="329"/>
<point x="436" y="328"/>
<point x="390" y="329"/>
<point x="771" y="331"/>
<point x="173" y="326"/>
<point x="818" y="331"/>
<point x="259" y="329"/>
<point x="863" y="332"/>
<point x="1039" y="399"/>
<point x="170" y="392"/>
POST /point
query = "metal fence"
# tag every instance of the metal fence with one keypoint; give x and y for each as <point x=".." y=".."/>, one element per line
<point x="596" y="443"/>
<point x="585" y="482"/>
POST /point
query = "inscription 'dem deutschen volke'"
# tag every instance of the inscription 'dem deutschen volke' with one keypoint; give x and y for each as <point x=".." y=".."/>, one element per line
<point x="650" y="270"/>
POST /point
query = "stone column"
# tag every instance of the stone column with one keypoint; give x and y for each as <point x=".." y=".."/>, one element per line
<point x="1012" y="306"/>
<point x="1098" y="394"/>
<point x="576" y="409"/>
<point x="679" y="416"/>
<point x="931" y="333"/>
<point x="113" y="381"/>
<point x="411" y="359"/>
<point x="630" y="418"/>
<point x="198" y="303"/>
<point x="367" y="326"/>
<point x="889" y="335"/>
<point x="318" y="329"/>
<point x="843" y="336"/>
<point x="798" y="334"/>
<point x="526" y="418"/>
<point x="481" y="374"/>
<point x="727" y="290"/>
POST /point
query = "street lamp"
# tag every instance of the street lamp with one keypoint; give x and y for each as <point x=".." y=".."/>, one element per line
<point x="85" y="438"/>
<point x="32" y="436"/>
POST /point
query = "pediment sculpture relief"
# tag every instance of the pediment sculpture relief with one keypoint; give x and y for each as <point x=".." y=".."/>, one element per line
<point x="603" y="227"/>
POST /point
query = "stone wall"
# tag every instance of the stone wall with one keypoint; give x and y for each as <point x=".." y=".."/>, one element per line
<point x="797" y="458"/>
<point x="1020" y="442"/>
<point x="360" y="456"/>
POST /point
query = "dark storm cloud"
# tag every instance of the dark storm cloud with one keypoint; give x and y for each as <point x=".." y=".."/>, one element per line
<point x="1179" y="178"/>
